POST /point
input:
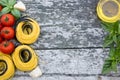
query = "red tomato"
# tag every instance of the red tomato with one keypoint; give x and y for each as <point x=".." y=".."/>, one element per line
<point x="7" y="47"/>
<point x="1" y="39"/>
<point x="7" y="20"/>
<point x="1" y="26"/>
<point x="7" y="33"/>
<point x="1" y="7"/>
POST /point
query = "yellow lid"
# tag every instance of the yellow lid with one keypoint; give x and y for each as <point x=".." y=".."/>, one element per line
<point x="108" y="10"/>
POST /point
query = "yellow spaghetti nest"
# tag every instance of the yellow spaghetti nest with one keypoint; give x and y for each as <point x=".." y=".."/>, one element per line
<point x="7" y="69"/>
<point x="24" y="58"/>
<point x="27" y="32"/>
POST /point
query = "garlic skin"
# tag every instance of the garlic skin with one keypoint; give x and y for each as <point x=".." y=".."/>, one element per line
<point x="36" y="72"/>
<point x="20" y="6"/>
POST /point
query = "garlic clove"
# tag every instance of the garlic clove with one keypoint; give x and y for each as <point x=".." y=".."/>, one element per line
<point x="36" y="72"/>
<point x="20" y="6"/>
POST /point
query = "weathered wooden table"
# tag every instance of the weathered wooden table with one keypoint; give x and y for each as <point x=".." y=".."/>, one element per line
<point x="70" y="44"/>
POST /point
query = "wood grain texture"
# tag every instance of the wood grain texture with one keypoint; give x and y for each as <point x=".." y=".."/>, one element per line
<point x="69" y="47"/>
<point x="76" y="62"/>
<point x="55" y="78"/>
<point x="73" y="37"/>
<point x="66" y="23"/>
<point x="64" y="12"/>
<point x="66" y="78"/>
<point x="110" y="78"/>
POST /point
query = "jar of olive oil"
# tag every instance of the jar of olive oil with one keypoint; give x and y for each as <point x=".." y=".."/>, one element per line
<point x="108" y="10"/>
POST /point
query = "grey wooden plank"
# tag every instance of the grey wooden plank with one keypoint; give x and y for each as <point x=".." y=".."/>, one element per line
<point x="69" y="37"/>
<point x="50" y="3"/>
<point x="44" y="77"/>
<point x="63" y="12"/>
<point x="66" y="23"/>
<point x="55" y="78"/>
<point x="109" y="78"/>
<point x="74" y="62"/>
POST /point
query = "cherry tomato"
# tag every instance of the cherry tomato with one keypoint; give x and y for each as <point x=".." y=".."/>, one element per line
<point x="7" y="19"/>
<point x="1" y="26"/>
<point x="7" y="47"/>
<point x="7" y="33"/>
<point x="1" y="39"/>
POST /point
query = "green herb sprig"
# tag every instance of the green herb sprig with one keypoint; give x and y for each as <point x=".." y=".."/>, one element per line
<point x="112" y="41"/>
<point x="8" y="7"/>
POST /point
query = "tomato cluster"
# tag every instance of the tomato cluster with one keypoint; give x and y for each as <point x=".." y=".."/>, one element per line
<point x="7" y="33"/>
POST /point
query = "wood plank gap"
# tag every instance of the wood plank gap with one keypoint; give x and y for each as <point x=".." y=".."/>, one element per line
<point x="71" y="48"/>
<point x="72" y="75"/>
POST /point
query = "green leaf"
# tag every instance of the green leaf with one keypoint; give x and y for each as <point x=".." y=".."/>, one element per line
<point x="117" y="54"/>
<point x="11" y="2"/>
<point x="112" y="52"/>
<point x="118" y="37"/>
<point x="116" y="25"/>
<point x="16" y="13"/>
<point x="115" y="39"/>
<point x="107" y="26"/>
<point x="107" y="67"/>
<point x="114" y="66"/>
<point x="4" y="11"/>
<point x="119" y="28"/>
<point x="4" y="2"/>
<point x="107" y="41"/>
